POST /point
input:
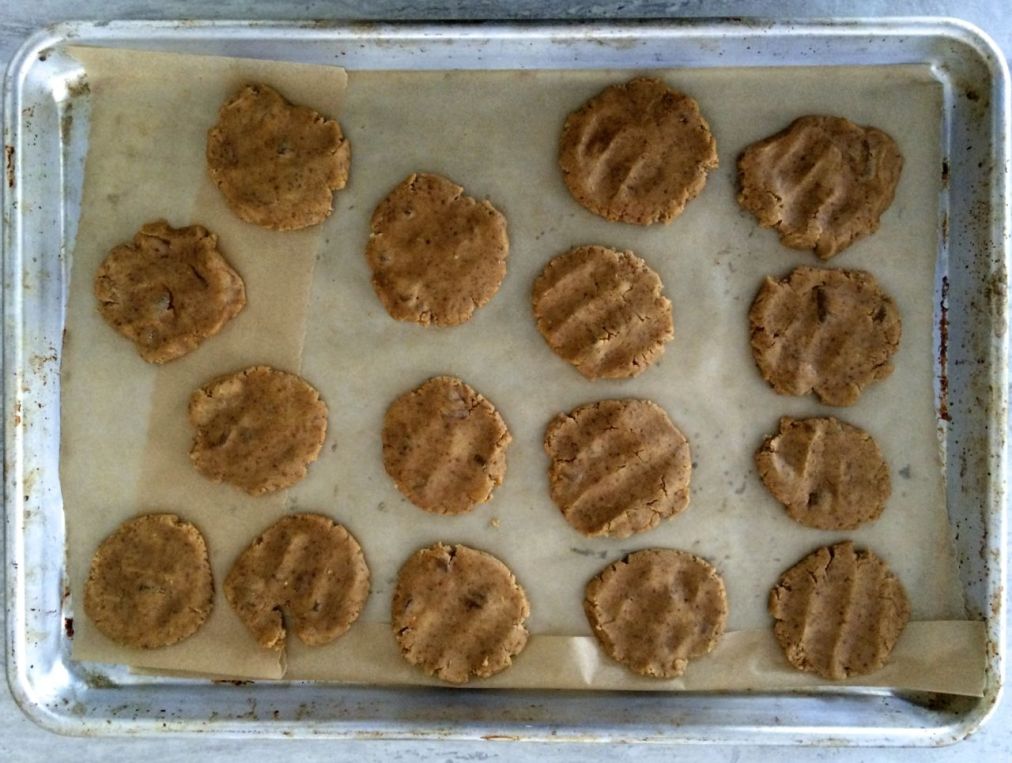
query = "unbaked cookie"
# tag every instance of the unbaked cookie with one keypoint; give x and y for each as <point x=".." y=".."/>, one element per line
<point x="276" y="163"/>
<point x="839" y="612"/>
<point x="656" y="609"/>
<point x="823" y="183"/>
<point x="305" y="572"/>
<point x="637" y="152"/>
<point x="436" y="255"/>
<point x="618" y="467"/>
<point x="257" y="429"/>
<point x="168" y="290"/>
<point x="603" y="311"/>
<point x="831" y="332"/>
<point x="458" y="612"/>
<point x="150" y="583"/>
<point x="829" y="475"/>
<point x="444" y="445"/>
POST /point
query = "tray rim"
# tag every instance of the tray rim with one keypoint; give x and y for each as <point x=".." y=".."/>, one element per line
<point x="956" y="30"/>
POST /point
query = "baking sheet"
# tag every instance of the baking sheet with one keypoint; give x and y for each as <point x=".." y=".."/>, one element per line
<point x="496" y="134"/>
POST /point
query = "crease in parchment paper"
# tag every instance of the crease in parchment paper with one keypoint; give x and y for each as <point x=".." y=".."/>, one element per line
<point x="743" y="661"/>
<point x="496" y="134"/>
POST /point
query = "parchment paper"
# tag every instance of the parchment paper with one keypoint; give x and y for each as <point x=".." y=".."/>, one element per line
<point x="125" y="433"/>
<point x="496" y="134"/>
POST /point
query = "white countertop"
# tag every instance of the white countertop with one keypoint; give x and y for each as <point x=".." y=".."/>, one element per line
<point x="21" y="740"/>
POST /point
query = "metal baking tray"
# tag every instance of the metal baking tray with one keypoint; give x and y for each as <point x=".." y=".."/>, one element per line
<point x="45" y="141"/>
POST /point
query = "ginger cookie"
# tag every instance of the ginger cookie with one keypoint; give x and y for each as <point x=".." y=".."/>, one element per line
<point x="257" y="429"/>
<point x="458" y="612"/>
<point x="276" y="163"/>
<point x="436" y="255"/>
<point x="168" y="290"/>
<point x="839" y="612"/>
<point x="149" y="584"/>
<point x="828" y="474"/>
<point x="305" y="572"/>
<point x="831" y="332"/>
<point x="823" y="183"/>
<point x="618" y="467"/>
<point x="603" y="311"/>
<point x="444" y="445"/>
<point x="637" y="152"/>
<point x="656" y="609"/>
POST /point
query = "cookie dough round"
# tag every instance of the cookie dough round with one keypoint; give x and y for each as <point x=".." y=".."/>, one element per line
<point x="276" y="163"/>
<point x="823" y="183"/>
<point x="150" y="583"/>
<point x="257" y="429"/>
<point x="444" y="445"/>
<point x="305" y="571"/>
<point x="603" y="311"/>
<point x="458" y="612"/>
<point x="831" y="332"/>
<point x="828" y="474"/>
<point x="618" y="467"/>
<point x="656" y="609"/>
<point x="637" y="152"/>
<point x="168" y="290"/>
<point x="839" y="612"/>
<point x="436" y="255"/>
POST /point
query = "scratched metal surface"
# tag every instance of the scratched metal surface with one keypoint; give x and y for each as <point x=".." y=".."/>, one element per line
<point x="46" y="132"/>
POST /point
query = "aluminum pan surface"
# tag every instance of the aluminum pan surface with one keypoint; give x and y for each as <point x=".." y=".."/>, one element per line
<point x="48" y="143"/>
